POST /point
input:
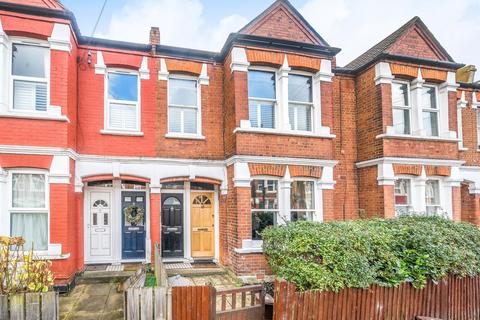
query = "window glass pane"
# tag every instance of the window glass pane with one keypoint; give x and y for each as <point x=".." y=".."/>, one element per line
<point x="29" y="95"/>
<point x="402" y="192"/>
<point x="264" y="194"/>
<point x="267" y="116"/>
<point x="432" y="193"/>
<point x="301" y="216"/>
<point x="261" y="84"/>
<point x="400" y="94"/>
<point x="253" y="114"/>
<point x="401" y="121"/>
<point x="300" y="117"/>
<point x="429" y="99"/>
<point x="174" y="119"/>
<point x="137" y="185"/>
<point x="101" y="183"/>
<point x="299" y="88"/>
<point x="28" y="190"/>
<point x="28" y="61"/>
<point x="261" y="114"/>
<point x="123" y="116"/>
<point x="261" y="220"/>
<point x="190" y="120"/>
<point x="123" y="86"/>
<point x="201" y="186"/>
<point x="302" y="195"/>
<point x="32" y="227"/>
<point x="430" y="123"/>
<point x="182" y="92"/>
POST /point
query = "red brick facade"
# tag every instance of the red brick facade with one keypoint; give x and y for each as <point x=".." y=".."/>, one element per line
<point x="352" y="154"/>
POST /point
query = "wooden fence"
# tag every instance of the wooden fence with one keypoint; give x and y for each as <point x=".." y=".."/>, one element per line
<point x="30" y="306"/>
<point x="451" y="299"/>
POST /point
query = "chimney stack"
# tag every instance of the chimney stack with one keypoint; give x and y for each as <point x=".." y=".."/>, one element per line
<point x="154" y="36"/>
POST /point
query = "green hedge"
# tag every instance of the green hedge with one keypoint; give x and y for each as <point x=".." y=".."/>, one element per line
<point x="387" y="252"/>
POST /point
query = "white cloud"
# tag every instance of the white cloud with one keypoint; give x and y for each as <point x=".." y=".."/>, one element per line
<point x="355" y="26"/>
<point x="181" y="23"/>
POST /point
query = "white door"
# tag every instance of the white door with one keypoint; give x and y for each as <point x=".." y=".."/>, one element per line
<point x="100" y="225"/>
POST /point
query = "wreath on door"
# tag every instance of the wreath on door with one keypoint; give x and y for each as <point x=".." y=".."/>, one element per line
<point x="134" y="214"/>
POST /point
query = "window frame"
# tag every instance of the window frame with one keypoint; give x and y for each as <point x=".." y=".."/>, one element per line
<point x="438" y="206"/>
<point x="108" y="101"/>
<point x="409" y="107"/>
<point x="274" y="101"/>
<point x="477" y="113"/>
<point x="432" y="110"/>
<point x="275" y="211"/>
<point x="409" y="205"/>
<point x="310" y="104"/>
<point x="11" y="209"/>
<point x="197" y="107"/>
<point x="310" y="212"/>
<point x="47" y="61"/>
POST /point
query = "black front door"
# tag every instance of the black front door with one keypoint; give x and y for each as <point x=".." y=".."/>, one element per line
<point x="172" y="225"/>
<point x="133" y="225"/>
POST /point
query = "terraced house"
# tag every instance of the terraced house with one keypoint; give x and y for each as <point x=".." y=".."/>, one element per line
<point x="108" y="147"/>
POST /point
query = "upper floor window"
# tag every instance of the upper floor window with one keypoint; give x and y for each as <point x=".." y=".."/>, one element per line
<point x="261" y="99"/>
<point x="183" y="109"/>
<point x="401" y="107"/>
<point x="429" y="107"/>
<point x="29" y="209"/>
<point x="123" y="101"/>
<point x="30" y="77"/>
<point x="302" y="201"/>
<point x="264" y="205"/>
<point x="432" y="196"/>
<point x="300" y="102"/>
<point x="402" y="196"/>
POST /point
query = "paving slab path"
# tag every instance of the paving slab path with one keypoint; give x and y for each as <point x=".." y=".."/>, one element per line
<point x="96" y="301"/>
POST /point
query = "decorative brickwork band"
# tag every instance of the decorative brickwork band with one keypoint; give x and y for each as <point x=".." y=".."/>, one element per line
<point x="183" y="66"/>
<point x="437" y="171"/>
<point x="303" y="62"/>
<point x="257" y="57"/>
<point x="412" y="169"/>
<point x="197" y="179"/>
<point x="262" y="169"/>
<point x="435" y="75"/>
<point x="305" y="171"/>
<point x="412" y="72"/>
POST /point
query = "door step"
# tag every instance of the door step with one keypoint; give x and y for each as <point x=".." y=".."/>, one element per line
<point x="196" y="272"/>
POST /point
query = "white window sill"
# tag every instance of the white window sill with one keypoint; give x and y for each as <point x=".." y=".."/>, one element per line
<point x="463" y="149"/>
<point x="34" y="116"/>
<point x="248" y="250"/>
<point x="416" y="137"/>
<point x="122" y="133"/>
<point x="250" y="246"/>
<point x="285" y="132"/>
<point x="184" y="136"/>
<point x="47" y="256"/>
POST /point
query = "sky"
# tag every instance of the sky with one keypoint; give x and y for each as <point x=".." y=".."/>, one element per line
<point x="352" y="25"/>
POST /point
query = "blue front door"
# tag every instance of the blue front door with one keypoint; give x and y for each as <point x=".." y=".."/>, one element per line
<point x="133" y="224"/>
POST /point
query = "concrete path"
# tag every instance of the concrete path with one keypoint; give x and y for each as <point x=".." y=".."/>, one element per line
<point x="97" y="301"/>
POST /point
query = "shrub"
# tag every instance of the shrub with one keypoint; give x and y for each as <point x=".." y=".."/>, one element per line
<point x="387" y="252"/>
<point x="19" y="271"/>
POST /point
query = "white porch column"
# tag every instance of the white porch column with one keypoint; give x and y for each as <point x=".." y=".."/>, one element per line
<point x="461" y="104"/>
<point x="282" y="96"/>
<point x="418" y="193"/>
<point x="285" y="186"/>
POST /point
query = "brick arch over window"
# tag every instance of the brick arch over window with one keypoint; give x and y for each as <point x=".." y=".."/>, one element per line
<point x="304" y="63"/>
<point x="122" y="60"/>
<point x="441" y="171"/>
<point x="261" y="57"/>
<point x="188" y="67"/>
<point x="305" y="171"/>
<point x="14" y="26"/>
<point x="410" y="71"/>
<point x="25" y="161"/>
<point x="265" y="169"/>
<point x="111" y="177"/>
<point x="197" y="179"/>
<point x="410" y="169"/>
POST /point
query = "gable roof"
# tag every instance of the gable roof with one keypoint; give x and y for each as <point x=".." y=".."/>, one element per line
<point x="301" y="25"/>
<point x="48" y="4"/>
<point x="384" y="47"/>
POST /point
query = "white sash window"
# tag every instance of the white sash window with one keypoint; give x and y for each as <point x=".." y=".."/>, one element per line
<point x="401" y="107"/>
<point x="123" y="107"/>
<point x="300" y="102"/>
<point x="261" y="99"/>
<point x="183" y="106"/>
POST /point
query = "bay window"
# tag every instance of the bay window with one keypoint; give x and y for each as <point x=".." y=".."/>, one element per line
<point x="30" y="73"/>
<point x="261" y="99"/>
<point x="183" y="107"/>
<point x="401" y="107"/>
<point x="429" y="107"/>
<point x="29" y="209"/>
<point x="300" y="102"/>
<point x="264" y="205"/>
<point x="432" y="196"/>
<point x="123" y="101"/>
<point x="402" y="196"/>
<point x="302" y="200"/>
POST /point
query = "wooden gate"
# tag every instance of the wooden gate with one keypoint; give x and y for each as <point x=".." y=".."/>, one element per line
<point x="206" y="303"/>
<point x="29" y="306"/>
